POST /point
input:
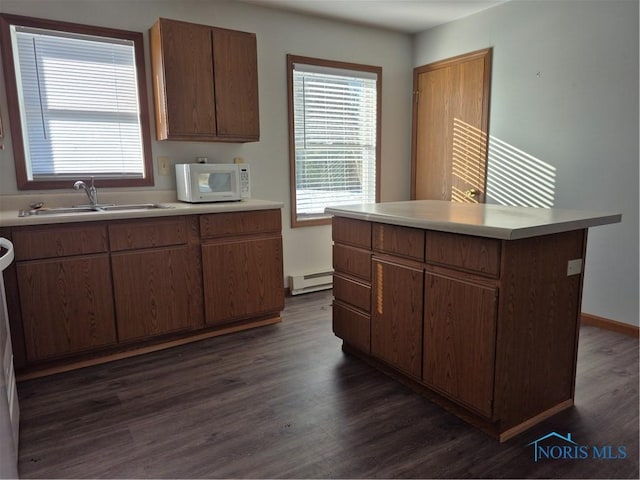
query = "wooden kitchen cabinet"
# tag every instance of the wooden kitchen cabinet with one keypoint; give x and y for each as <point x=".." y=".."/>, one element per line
<point x="155" y="277"/>
<point x="205" y="82"/>
<point x="242" y="279"/>
<point x="396" y="311"/>
<point x="64" y="282"/>
<point x="242" y="265"/>
<point x="460" y="314"/>
<point x="396" y="319"/>
<point x="352" y="282"/>
<point x="484" y="326"/>
<point x="92" y="291"/>
<point x="459" y="339"/>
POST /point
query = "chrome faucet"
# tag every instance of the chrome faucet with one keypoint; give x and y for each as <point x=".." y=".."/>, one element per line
<point x="91" y="191"/>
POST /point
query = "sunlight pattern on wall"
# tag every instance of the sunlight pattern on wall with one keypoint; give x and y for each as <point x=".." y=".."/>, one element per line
<point x="517" y="178"/>
<point x="468" y="162"/>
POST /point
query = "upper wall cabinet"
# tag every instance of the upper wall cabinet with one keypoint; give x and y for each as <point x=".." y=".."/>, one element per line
<point x="205" y="83"/>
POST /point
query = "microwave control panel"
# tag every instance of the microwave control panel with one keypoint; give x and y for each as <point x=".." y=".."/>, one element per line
<point x="245" y="182"/>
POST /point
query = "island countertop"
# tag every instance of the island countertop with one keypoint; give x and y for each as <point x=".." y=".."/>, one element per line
<point x="483" y="220"/>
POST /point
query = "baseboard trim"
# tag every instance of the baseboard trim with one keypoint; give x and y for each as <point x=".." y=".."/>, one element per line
<point x="608" y="324"/>
<point x="527" y="424"/>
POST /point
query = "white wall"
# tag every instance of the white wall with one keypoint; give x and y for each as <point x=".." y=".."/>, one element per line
<point x="306" y="249"/>
<point x="565" y="91"/>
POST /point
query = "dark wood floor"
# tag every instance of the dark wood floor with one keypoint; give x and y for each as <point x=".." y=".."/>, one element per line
<point x="284" y="402"/>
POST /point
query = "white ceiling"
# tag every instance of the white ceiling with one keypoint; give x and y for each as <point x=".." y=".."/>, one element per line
<point x="407" y="16"/>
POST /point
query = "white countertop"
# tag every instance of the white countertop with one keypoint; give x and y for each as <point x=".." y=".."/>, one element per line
<point x="482" y="220"/>
<point x="10" y="206"/>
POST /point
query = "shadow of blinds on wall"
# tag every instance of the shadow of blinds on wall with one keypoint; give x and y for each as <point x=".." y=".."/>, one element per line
<point x="517" y="178"/>
<point x="335" y="137"/>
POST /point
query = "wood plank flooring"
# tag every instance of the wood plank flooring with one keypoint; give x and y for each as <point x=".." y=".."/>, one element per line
<point x="284" y="401"/>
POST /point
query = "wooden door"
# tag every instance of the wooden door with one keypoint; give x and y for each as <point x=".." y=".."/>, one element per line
<point x="67" y="305"/>
<point x="450" y="125"/>
<point x="154" y="292"/>
<point x="396" y="318"/>
<point x="459" y="339"/>
<point x="188" y="83"/>
<point x="242" y="279"/>
<point x="235" y="64"/>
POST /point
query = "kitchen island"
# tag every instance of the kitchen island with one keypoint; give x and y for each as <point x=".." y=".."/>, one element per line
<point x="475" y="306"/>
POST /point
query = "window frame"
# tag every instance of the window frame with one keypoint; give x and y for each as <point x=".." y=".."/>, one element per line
<point x="291" y="61"/>
<point x="15" y="121"/>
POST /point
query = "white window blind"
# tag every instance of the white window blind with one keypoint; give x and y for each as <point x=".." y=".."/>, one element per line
<point x="79" y="105"/>
<point x="335" y="128"/>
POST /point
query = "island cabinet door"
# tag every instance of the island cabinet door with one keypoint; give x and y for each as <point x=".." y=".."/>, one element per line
<point x="459" y="340"/>
<point x="396" y="317"/>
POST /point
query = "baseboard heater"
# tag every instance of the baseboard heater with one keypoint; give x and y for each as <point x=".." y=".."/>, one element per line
<point x="312" y="282"/>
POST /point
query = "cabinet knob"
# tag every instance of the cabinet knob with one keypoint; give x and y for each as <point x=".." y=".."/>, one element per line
<point x="472" y="193"/>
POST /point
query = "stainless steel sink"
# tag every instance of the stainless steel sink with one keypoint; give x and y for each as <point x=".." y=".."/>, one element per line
<point x="90" y="209"/>
<point x="56" y="211"/>
<point x="135" y="206"/>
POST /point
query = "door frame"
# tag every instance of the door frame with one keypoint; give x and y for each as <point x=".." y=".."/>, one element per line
<point x="486" y="54"/>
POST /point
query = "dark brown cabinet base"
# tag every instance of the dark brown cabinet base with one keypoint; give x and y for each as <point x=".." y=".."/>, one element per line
<point x="486" y="328"/>
<point x="98" y="291"/>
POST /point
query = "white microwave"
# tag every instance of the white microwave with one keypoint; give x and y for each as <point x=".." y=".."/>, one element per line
<point x="212" y="182"/>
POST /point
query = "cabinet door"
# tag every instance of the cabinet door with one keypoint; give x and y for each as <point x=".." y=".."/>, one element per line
<point x="154" y="292"/>
<point x="235" y="65"/>
<point x="67" y="305"/>
<point x="459" y="340"/>
<point x="188" y="78"/>
<point x="396" y="319"/>
<point x="242" y="278"/>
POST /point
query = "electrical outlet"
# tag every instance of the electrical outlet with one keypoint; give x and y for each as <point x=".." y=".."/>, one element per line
<point x="163" y="165"/>
<point x="574" y="267"/>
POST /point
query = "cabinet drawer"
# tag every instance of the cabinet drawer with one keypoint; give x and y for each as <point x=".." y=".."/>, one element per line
<point x="352" y="232"/>
<point x="351" y="326"/>
<point x="48" y="242"/>
<point x="147" y="234"/>
<point x="465" y="252"/>
<point x="403" y="241"/>
<point x="353" y="261"/>
<point x="240" y="223"/>
<point x="351" y="292"/>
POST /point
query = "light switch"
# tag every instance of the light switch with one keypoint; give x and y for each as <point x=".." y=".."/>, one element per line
<point x="163" y="165"/>
<point x="574" y="267"/>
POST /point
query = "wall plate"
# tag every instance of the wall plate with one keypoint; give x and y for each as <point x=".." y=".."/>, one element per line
<point x="574" y="267"/>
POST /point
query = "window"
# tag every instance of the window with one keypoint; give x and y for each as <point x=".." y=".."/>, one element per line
<point x="77" y="104"/>
<point x="334" y="132"/>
